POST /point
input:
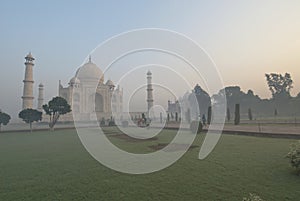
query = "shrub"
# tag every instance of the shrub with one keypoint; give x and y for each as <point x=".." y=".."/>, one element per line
<point x="294" y="155"/>
<point x="253" y="197"/>
<point x="196" y="127"/>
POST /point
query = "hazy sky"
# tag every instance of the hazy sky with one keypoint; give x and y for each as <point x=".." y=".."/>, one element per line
<point x="244" y="38"/>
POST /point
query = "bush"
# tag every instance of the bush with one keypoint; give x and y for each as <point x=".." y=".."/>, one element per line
<point x="253" y="197"/>
<point x="294" y="155"/>
<point x="196" y="127"/>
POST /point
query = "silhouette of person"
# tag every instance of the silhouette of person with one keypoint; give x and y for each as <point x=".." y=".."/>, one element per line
<point x="203" y="120"/>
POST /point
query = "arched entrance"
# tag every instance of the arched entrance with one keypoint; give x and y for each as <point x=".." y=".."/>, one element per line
<point x="99" y="104"/>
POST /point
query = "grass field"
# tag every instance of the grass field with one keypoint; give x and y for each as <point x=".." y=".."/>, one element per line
<point x="54" y="166"/>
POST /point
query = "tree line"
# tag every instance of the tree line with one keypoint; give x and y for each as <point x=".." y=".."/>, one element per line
<point x="55" y="108"/>
<point x="248" y="105"/>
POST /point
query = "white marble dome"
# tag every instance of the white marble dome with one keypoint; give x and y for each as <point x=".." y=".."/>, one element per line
<point x="89" y="72"/>
<point x="74" y="80"/>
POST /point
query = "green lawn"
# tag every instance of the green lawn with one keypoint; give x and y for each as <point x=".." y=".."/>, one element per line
<point x="54" y="166"/>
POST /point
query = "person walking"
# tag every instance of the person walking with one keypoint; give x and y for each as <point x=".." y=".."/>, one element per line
<point x="203" y="120"/>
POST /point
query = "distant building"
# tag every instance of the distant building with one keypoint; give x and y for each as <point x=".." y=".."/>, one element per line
<point x="174" y="107"/>
<point x="149" y="93"/>
<point x="40" y="97"/>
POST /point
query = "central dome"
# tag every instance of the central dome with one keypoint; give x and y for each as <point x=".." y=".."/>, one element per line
<point x="89" y="72"/>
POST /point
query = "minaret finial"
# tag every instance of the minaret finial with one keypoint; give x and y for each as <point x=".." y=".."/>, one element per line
<point x="90" y="59"/>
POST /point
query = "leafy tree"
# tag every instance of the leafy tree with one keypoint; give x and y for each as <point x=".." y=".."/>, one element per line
<point x="209" y="115"/>
<point x="56" y="107"/>
<point x="237" y="116"/>
<point x="279" y="84"/>
<point x="29" y="116"/>
<point x="228" y="114"/>
<point x="4" y="119"/>
<point x="250" y="114"/>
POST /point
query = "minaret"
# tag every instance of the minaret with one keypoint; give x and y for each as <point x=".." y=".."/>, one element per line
<point x="41" y="97"/>
<point x="149" y="91"/>
<point x="28" y="83"/>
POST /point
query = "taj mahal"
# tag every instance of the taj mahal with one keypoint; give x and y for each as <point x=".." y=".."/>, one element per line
<point x="86" y="92"/>
<point x="81" y="93"/>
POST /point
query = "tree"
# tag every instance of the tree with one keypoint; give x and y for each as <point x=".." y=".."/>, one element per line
<point x="237" y="114"/>
<point x="250" y="114"/>
<point x="4" y="119"/>
<point x="56" y="107"/>
<point x="279" y="84"/>
<point x="209" y="113"/>
<point x="228" y="114"/>
<point x="29" y="116"/>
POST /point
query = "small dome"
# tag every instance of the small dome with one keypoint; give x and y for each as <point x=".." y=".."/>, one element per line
<point x="29" y="56"/>
<point x="149" y="73"/>
<point x="110" y="83"/>
<point x="74" y="80"/>
<point x="89" y="72"/>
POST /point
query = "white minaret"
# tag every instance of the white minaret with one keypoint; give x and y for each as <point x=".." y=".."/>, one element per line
<point x="28" y="83"/>
<point x="41" y="97"/>
<point x="149" y="91"/>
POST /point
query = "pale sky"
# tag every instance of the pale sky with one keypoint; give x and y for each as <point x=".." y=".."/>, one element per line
<point x="245" y="39"/>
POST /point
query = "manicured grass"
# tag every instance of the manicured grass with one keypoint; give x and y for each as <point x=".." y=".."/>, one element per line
<point x="54" y="166"/>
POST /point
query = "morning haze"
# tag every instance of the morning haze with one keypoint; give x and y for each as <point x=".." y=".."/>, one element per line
<point x="150" y="100"/>
<point x="244" y="39"/>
